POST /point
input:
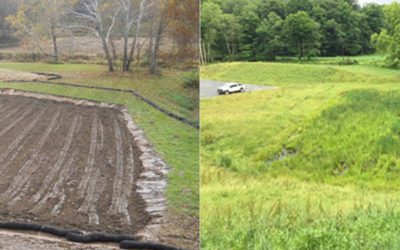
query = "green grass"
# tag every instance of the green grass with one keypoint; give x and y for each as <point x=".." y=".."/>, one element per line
<point x="375" y="59"/>
<point x="264" y="212"/>
<point x="176" y="142"/>
<point x="312" y="165"/>
<point x="167" y="90"/>
<point x="289" y="74"/>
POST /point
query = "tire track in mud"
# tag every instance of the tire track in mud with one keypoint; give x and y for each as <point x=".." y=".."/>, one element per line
<point x="128" y="185"/>
<point x="69" y="164"/>
<point x="91" y="158"/>
<point x="19" y="150"/>
<point x="38" y="197"/>
<point x="101" y="131"/>
<point x="91" y="185"/>
<point x="25" y="187"/>
<point x="10" y="114"/>
<point x="4" y="108"/>
<point x="119" y="175"/>
<point x="18" y="140"/>
<point x="58" y="191"/>
<point x="26" y="170"/>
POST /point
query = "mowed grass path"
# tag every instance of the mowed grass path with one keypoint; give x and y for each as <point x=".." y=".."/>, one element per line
<point x="312" y="165"/>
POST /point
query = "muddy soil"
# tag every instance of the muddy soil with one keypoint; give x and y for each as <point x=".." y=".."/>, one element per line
<point x="35" y="241"/>
<point x="69" y="166"/>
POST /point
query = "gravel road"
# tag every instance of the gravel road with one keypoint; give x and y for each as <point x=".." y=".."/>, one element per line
<point x="209" y="88"/>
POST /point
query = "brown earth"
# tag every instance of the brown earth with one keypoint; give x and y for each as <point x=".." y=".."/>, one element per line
<point x="11" y="75"/>
<point x="35" y="241"/>
<point x="68" y="166"/>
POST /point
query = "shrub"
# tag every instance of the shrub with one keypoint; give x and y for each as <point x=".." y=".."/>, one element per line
<point x="348" y="61"/>
<point x="207" y="138"/>
<point x="224" y="160"/>
<point x="191" y="80"/>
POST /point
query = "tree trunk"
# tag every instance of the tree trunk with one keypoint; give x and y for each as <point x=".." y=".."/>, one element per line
<point x="135" y="41"/>
<point x="126" y="36"/>
<point x="125" y="56"/>
<point x="227" y="47"/>
<point x="299" y="50"/>
<point x="201" y="55"/>
<point x="138" y="53"/>
<point x="114" y="52"/>
<point x="154" y="54"/>
<point x="205" y="53"/>
<point x="108" y="56"/>
<point x="209" y="54"/>
<point x="234" y="49"/>
<point x="150" y="43"/>
<point x="156" y="47"/>
<point x="54" y="39"/>
<point x="131" y="54"/>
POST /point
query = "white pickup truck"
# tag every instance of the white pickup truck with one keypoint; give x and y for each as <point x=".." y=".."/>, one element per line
<point x="231" y="87"/>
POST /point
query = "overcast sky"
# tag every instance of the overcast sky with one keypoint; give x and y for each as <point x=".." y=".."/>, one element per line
<point x="362" y="2"/>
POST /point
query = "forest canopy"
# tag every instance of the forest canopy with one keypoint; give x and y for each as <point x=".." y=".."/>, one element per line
<point x="264" y="29"/>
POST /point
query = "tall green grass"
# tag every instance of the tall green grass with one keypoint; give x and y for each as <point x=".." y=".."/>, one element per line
<point x="312" y="165"/>
<point x="264" y="212"/>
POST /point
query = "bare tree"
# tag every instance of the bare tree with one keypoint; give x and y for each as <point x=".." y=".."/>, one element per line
<point x="99" y="17"/>
<point x="54" y="15"/>
<point x="162" y="25"/>
<point x="133" y="14"/>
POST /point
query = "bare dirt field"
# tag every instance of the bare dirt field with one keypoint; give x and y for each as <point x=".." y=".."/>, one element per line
<point x="11" y="75"/>
<point x="69" y="166"/>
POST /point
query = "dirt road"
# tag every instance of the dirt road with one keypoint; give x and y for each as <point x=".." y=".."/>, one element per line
<point x="209" y="88"/>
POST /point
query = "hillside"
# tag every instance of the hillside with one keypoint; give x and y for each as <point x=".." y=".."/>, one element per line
<point x="312" y="165"/>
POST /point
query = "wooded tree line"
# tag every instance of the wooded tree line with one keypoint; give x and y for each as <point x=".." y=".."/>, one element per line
<point x="388" y="40"/>
<point x="264" y="29"/>
<point x="109" y="20"/>
<point x="7" y="37"/>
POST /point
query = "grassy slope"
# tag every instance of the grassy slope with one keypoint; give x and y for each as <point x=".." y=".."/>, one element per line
<point x="167" y="90"/>
<point x="376" y="59"/>
<point x="176" y="142"/>
<point x="288" y="74"/>
<point x="264" y="212"/>
<point x="335" y="189"/>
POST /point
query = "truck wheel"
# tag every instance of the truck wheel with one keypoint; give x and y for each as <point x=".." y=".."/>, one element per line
<point x="226" y="92"/>
<point x="242" y="90"/>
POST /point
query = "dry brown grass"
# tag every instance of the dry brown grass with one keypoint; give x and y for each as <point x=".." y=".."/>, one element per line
<point x="84" y="45"/>
<point x="11" y="75"/>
